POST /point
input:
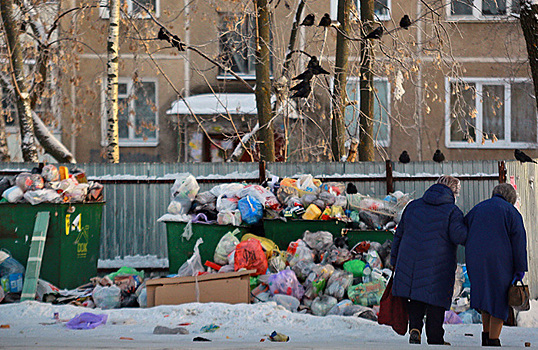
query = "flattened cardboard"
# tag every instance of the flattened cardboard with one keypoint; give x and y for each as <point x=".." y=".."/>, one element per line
<point x="229" y="287"/>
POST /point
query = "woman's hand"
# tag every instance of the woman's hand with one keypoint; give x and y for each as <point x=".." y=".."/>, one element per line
<point x="518" y="276"/>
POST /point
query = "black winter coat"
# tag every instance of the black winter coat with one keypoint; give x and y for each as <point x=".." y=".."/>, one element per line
<point x="424" y="248"/>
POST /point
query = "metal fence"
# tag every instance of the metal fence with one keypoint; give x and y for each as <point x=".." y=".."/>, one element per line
<point x="138" y="194"/>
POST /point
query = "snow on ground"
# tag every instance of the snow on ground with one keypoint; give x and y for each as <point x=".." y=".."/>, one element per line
<point x="242" y="326"/>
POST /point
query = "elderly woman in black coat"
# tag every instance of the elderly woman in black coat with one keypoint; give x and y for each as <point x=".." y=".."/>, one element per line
<point x="424" y="255"/>
<point x="496" y="256"/>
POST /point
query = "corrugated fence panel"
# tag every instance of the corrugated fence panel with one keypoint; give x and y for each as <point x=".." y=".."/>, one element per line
<point x="130" y="224"/>
<point x="524" y="176"/>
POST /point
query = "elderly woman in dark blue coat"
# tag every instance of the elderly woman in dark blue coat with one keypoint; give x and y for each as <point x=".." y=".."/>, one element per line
<point x="424" y="256"/>
<point x="496" y="255"/>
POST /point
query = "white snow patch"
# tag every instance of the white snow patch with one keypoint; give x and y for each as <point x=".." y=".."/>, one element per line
<point x="137" y="261"/>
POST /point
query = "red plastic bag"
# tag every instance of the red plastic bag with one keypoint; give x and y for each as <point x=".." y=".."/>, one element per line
<point x="393" y="311"/>
<point x="249" y="254"/>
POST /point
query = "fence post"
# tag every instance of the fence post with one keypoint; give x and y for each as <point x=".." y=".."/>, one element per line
<point x="388" y="172"/>
<point x="261" y="165"/>
<point x="502" y="172"/>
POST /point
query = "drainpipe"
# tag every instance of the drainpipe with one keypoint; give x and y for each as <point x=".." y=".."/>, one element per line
<point x="419" y="90"/>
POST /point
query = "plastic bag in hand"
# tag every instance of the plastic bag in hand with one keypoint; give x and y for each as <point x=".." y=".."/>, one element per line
<point x="194" y="265"/>
<point x="249" y="254"/>
<point x="285" y="282"/>
<point x="226" y="245"/>
<point x="251" y="210"/>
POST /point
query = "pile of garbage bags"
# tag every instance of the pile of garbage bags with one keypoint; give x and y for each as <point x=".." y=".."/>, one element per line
<point x="304" y="198"/>
<point x="50" y="184"/>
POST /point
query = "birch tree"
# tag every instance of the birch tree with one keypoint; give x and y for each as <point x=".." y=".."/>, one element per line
<point x="26" y="123"/>
<point x="111" y="101"/>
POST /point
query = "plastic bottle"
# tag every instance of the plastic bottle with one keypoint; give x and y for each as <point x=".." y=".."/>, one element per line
<point x="367" y="274"/>
<point x="312" y="212"/>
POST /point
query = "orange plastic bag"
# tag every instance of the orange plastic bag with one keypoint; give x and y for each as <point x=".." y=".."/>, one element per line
<point x="249" y="254"/>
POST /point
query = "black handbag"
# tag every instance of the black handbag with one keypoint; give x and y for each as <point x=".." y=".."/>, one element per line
<point x="518" y="296"/>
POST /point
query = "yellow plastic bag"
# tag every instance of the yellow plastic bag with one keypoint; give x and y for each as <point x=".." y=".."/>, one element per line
<point x="268" y="245"/>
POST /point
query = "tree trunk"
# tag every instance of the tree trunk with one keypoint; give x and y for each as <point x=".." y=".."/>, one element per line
<point x="50" y="143"/>
<point x="339" y="98"/>
<point x="28" y="142"/>
<point x="293" y="38"/>
<point x="111" y="104"/>
<point x="263" y="83"/>
<point x="529" y="24"/>
<point x="366" y="141"/>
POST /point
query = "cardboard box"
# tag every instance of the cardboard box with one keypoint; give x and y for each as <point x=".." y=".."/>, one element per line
<point x="229" y="287"/>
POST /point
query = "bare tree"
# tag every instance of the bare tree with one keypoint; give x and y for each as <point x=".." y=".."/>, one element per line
<point x="112" y="134"/>
<point x="529" y="24"/>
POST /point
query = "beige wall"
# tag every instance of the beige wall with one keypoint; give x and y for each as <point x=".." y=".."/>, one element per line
<point x="473" y="49"/>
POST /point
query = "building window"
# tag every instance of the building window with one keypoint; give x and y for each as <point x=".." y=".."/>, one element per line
<point x="133" y="9"/>
<point x="137" y="113"/>
<point x="237" y="43"/>
<point x="482" y="9"/>
<point x="490" y="113"/>
<point x="381" y="9"/>
<point x="381" y="133"/>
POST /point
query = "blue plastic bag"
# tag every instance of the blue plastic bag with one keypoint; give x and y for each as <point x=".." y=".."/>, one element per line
<point x="251" y="209"/>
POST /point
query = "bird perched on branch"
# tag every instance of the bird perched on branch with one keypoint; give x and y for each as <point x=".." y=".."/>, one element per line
<point x="309" y="20"/>
<point x="438" y="156"/>
<point x="306" y="75"/>
<point x="404" y="157"/>
<point x="315" y="67"/>
<point x="325" y="21"/>
<point x="302" y="89"/>
<point x="522" y="157"/>
<point x="173" y="39"/>
<point x="375" y="34"/>
<point x="405" y="22"/>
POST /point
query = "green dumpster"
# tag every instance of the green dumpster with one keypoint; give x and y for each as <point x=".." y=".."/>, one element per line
<point x="72" y="244"/>
<point x="180" y="250"/>
<point x="356" y="236"/>
<point x="284" y="232"/>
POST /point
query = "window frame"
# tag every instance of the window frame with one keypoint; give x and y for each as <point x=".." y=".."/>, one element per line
<point x="477" y="13"/>
<point x="383" y="143"/>
<point x="131" y="141"/>
<point x="383" y="18"/>
<point x="250" y="59"/>
<point x="105" y="14"/>
<point x="505" y="143"/>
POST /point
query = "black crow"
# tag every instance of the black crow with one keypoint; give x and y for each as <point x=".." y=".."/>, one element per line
<point x="438" y="156"/>
<point x="522" y="157"/>
<point x="306" y="75"/>
<point x="315" y="67"/>
<point x="309" y="20"/>
<point x="303" y="89"/>
<point x="173" y="39"/>
<point x="405" y="22"/>
<point x="325" y="21"/>
<point x="375" y="34"/>
<point x="404" y="158"/>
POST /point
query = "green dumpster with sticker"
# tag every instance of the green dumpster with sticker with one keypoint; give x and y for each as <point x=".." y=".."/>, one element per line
<point x="72" y="242"/>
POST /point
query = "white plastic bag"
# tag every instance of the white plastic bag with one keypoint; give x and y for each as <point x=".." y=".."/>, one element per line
<point x="187" y="231"/>
<point x="13" y="194"/>
<point x="306" y="183"/>
<point x="194" y="265"/>
<point x="266" y="197"/>
<point x="226" y="203"/>
<point x="225" y="246"/>
<point x="42" y="196"/>
<point x="106" y="297"/>
<point x="227" y="217"/>
<point x="185" y="186"/>
<point x="229" y="190"/>
<point x="179" y="206"/>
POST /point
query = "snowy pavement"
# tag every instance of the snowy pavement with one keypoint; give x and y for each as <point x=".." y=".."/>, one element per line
<point x="31" y="325"/>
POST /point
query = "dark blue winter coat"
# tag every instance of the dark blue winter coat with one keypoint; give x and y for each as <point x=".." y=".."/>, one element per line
<point x="424" y="248"/>
<point x="496" y="248"/>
